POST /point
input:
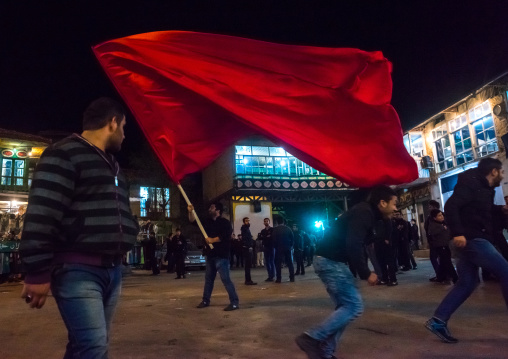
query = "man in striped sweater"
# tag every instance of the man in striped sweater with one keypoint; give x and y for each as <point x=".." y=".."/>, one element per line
<point x="78" y="226"/>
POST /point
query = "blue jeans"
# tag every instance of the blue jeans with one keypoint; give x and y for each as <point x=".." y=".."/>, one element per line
<point x="341" y="287"/>
<point x="270" y="262"/>
<point x="86" y="297"/>
<point x="478" y="252"/>
<point x="221" y="265"/>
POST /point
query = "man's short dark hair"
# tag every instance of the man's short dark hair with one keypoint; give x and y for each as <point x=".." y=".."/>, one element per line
<point x="100" y="112"/>
<point x="218" y="207"/>
<point x="277" y="219"/>
<point x="435" y="212"/>
<point x="380" y="193"/>
<point x="269" y="218"/>
<point x="486" y="165"/>
<point x="413" y="220"/>
<point x="434" y="203"/>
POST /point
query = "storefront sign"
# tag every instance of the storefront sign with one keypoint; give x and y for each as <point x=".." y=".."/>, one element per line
<point x="406" y="199"/>
<point x="9" y="246"/>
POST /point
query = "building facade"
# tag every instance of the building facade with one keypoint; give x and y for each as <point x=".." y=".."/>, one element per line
<point x="453" y="141"/>
<point x="256" y="179"/>
<point x="19" y="153"/>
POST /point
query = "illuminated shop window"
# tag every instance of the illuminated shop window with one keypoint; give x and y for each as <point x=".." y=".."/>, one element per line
<point x="154" y="199"/>
<point x="13" y="172"/>
<point x="272" y="161"/>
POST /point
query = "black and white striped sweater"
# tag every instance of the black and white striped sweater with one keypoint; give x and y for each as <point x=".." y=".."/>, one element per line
<point x="78" y="203"/>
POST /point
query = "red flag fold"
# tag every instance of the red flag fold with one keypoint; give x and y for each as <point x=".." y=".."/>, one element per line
<point x="196" y="94"/>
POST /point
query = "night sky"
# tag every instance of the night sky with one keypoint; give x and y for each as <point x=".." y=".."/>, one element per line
<point x="441" y="50"/>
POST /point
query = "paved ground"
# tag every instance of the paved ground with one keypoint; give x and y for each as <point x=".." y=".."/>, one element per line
<point x="157" y="318"/>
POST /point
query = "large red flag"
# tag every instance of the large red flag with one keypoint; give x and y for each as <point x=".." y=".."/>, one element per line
<point x="196" y="94"/>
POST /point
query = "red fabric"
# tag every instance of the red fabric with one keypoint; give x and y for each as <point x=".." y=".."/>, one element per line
<point x="196" y="94"/>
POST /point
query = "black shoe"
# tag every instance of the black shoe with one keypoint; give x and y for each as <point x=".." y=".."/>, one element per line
<point x="269" y="280"/>
<point x="405" y="269"/>
<point x="231" y="307"/>
<point x="309" y="345"/>
<point x="439" y="328"/>
<point x="303" y="273"/>
<point x="392" y="284"/>
<point x="381" y="282"/>
<point x="291" y="279"/>
<point x="178" y="277"/>
<point x="203" y="304"/>
<point x="433" y="279"/>
<point x="250" y="283"/>
<point x="297" y="273"/>
<point x="415" y="267"/>
<point x="277" y="281"/>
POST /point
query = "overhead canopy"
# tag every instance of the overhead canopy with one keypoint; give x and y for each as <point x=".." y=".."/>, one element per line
<point x="196" y="94"/>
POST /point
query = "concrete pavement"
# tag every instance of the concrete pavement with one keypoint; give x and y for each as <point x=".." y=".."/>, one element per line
<point x="157" y="318"/>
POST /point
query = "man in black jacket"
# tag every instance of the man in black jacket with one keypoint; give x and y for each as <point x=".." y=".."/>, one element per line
<point x="269" y="250"/>
<point x="248" y="248"/>
<point x="471" y="216"/>
<point x="299" y="250"/>
<point x="283" y="240"/>
<point x="219" y="232"/>
<point x="344" y="243"/>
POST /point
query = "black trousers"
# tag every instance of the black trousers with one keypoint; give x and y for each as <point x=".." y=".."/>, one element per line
<point x="386" y="257"/>
<point x="180" y="264"/>
<point x="300" y="267"/>
<point x="284" y="255"/>
<point x="248" y="264"/>
<point x="446" y="269"/>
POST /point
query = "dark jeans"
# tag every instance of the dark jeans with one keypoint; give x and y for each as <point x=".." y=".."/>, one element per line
<point x="221" y="265"/>
<point x="171" y="262"/>
<point x="300" y="267"/>
<point x="385" y="255"/>
<point x="434" y="259"/>
<point x="270" y="261"/>
<point x="446" y="269"/>
<point x="284" y="255"/>
<point x="86" y="297"/>
<point x="248" y="264"/>
<point x="477" y="253"/>
<point x="310" y="255"/>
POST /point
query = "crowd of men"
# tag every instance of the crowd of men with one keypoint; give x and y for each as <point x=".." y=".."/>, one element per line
<point x="79" y="226"/>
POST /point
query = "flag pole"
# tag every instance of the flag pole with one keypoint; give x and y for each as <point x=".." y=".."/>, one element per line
<point x="194" y="213"/>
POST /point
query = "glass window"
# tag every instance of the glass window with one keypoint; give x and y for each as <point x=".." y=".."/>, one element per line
<point x="13" y="172"/>
<point x="444" y="153"/>
<point x="462" y="140"/>
<point x="439" y="131"/>
<point x="281" y="165"/>
<point x="154" y="199"/>
<point x="277" y="151"/>
<point x="485" y="135"/>
<point x="243" y="150"/>
<point x="406" y="142"/>
<point x="416" y="144"/>
<point x="260" y="151"/>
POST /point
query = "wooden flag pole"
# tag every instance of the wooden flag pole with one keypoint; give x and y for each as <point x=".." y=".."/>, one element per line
<point x="194" y="213"/>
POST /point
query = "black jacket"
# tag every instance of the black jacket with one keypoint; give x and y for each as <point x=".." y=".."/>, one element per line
<point x="345" y="240"/>
<point x="247" y="240"/>
<point x="440" y="234"/>
<point x="283" y="238"/>
<point x="266" y="236"/>
<point x="470" y="211"/>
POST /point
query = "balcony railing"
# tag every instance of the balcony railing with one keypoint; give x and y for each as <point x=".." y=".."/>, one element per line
<point x="14" y="188"/>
